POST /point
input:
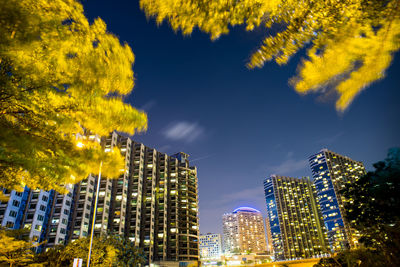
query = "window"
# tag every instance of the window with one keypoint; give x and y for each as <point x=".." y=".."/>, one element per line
<point x="42" y="207"/>
<point x="19" y="194"/>
<point x="66" y="212"/>
<point x="38" y="227"/>
<point x="62" y="230"/>
<point x="40" y="218"/>
<point x="87" y="215"/>
<point x="15" y="203"/>
<point x="45" y="198"/>
<point x="64" y="221"/>
<point x="9" y="224"/>
<point x="13" y="213"/>
<point x="67" y="202"/>
<point x="30" y="216"/>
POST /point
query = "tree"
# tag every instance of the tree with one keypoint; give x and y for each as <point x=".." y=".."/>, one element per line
<point x="112" y="250"/>
<point x="358" y="257"/>
<point x="60" y="78"/>
<point x="14" y="251"/>
<point x="103" y="252"/>
<point x="373" y="206"/>
<point x="249" y="251"/>
<point x="50" y="256"/>
<point x="349" y="43"/>
<point x="128" y="254"/>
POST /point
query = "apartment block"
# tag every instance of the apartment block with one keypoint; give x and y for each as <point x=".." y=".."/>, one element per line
<point x="333" y="172"/>
<point x="210" y="246"/>
<point x="244" y="231"/>
<point x="294" y="221"/>
<point x="45" y="214"/>
<point x="154" y="203"/>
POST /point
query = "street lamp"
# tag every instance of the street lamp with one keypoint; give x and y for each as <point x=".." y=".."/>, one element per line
<point x="81" y="145"/>
<point x="94" y="214"/>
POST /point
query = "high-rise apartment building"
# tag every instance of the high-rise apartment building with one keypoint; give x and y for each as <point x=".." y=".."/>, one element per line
<point x="244" y="231"/>
<point x="295" y="224"/>
<point x="45" y="214"/>
<point x="269" y="236"/>
<point x="154" y="203"/>
<point x="210" y="246"/>
<point x="331" y="173"/>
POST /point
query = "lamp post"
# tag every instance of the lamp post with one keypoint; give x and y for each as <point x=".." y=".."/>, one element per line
<point x="94" y="214"/>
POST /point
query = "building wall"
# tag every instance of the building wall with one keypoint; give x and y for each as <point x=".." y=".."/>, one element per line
<point x="230" y="232"/>
<point x="269" y="236"/>
<point x="210" y="246"/>
<point x="59" y="217"/>
<point x="331" y="173"/>
<point x="295" y="221"/>
<point x="154" y="203"/>
<point x="12" y="211"/>
<point x="244" y="231"/>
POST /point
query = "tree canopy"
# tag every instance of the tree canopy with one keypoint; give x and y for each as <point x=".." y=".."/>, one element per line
<point x="14" y="250"/>
<point x="60" y="78"/>
<point x="103" y="252"/>
<point x="349" y="43"/>
<point x="110" y="250"/>
<point x="374" y="207"/>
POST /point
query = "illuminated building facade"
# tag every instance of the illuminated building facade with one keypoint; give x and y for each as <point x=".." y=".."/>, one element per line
<point x="295" y="224"/>
<point x="154" y="203"/>
<point x="210" y="246"/>
<point x="331" y="173"/>
<point x="269" y="236"/>
<point x="244" y="231"/>
<point x="45" y="214"/>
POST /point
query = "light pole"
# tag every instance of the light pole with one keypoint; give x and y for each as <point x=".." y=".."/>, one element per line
<point x="94" y="214"/>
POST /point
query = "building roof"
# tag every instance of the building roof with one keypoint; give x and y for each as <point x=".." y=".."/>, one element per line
<point x="245" y="209"/>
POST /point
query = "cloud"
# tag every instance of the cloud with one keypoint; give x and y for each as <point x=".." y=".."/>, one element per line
<point x="183" y="131"/>
<point x="164" y="148"/>
<point x="148" y="105"/>
<point x="246" y="195"/>
<point x="201" y="158"/>
<point x="330" y="139"/>
<point x="288" y="166"/>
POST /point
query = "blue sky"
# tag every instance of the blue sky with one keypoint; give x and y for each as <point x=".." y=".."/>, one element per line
<point x="240" y="125"/>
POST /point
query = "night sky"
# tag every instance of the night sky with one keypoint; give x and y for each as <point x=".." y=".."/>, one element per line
<point x="240" y="125"/>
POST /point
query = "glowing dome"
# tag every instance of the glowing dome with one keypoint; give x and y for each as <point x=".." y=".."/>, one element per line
<point x="245" y="209"/>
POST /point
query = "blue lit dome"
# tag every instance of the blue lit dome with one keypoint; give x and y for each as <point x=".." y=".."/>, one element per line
<point x="245" y="209"/>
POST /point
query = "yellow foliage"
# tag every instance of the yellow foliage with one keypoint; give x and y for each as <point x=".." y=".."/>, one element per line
<point x="13" y="251"/>
<point x="350" y="42"/>
<point x="59" y="75"/>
